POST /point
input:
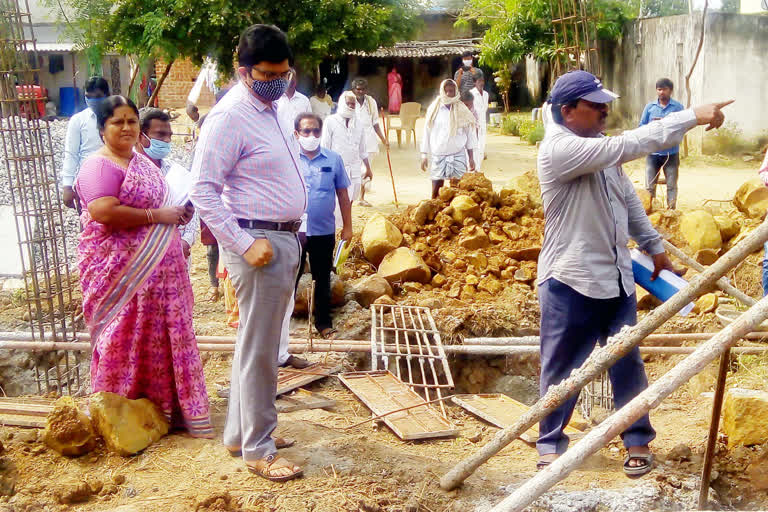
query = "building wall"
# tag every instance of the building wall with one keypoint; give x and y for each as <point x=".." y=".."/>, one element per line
<point x="175" y="89"/>
<point x="753" y="6"/>
<point x="732" y="64"/>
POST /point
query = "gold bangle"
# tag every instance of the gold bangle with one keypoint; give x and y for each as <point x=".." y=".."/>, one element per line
<point x="151" y="217"/>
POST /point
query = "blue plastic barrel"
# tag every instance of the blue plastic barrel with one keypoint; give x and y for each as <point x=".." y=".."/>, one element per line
<point x="68" y="99"/>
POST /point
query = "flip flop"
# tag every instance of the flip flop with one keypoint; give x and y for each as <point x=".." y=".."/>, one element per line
<point x="263" y="467"/>
<point x="328" y="333"/>
<point x="637" y="471"/>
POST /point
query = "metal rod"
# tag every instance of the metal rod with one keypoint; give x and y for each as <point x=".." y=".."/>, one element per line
<point x="714" y="425"/>
<point x="650" y="398"/>
<point x="603" y="358"/>
<point x="653" y="338"/>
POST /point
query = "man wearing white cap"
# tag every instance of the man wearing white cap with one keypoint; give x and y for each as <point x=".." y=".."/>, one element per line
<point x="585" y="282"/>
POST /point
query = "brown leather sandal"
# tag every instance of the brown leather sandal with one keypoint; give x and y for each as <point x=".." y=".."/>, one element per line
<point x="280" y="443"/>
<point x="264" y="467"/>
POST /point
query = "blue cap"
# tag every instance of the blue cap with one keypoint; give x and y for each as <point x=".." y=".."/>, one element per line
<point x="578" y="85"/>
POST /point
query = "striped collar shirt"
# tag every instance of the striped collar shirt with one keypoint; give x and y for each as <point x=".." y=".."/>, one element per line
<point x="245" y="167"/>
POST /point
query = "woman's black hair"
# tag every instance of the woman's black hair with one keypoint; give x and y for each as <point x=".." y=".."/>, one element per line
<point x="108" y="107"/>
<point x="260" y="43"/>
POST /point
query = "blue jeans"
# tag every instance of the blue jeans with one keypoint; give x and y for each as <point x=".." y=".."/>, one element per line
<point x="765" y="270"/>
<point x="571" y="324"/>
<point x="653" y="166"/>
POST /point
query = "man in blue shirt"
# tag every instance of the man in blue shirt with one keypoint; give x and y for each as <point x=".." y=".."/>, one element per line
<point x="82" y="137"/>
<point x="668" y="159"/>
<point x="326" y="181"/>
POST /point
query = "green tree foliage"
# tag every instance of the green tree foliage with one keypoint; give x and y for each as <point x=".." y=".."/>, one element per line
<point x="317" y="29"/>
<point x="516" y="28"/>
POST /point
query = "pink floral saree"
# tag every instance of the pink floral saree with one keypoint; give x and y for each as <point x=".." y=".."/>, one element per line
<point x="137" y="302"/>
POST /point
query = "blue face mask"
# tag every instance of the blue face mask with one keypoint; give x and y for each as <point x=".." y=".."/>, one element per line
<point x="270" y="90"/>
<point x="93" y="103"/>
<point x="158" y="149"/>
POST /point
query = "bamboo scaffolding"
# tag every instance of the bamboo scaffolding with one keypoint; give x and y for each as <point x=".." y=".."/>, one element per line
<point x="605" y="357"/>
<point x="637" y="407"/>
<point x="722" y="283"/>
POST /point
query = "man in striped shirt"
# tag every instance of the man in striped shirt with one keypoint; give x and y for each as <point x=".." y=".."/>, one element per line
<point x="251" y="194"/>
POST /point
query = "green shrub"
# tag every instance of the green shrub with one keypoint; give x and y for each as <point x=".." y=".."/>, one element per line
<point x="729" y="140"/>
<point x="510" y="126"/>
<point x="535" y="135"/>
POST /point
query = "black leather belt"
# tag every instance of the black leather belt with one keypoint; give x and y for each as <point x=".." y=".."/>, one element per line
<point x="291" y="225"/>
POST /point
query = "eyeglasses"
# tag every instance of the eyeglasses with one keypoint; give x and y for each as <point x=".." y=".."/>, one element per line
<point x="271" y="75"/>
<point x="310" y="131"/>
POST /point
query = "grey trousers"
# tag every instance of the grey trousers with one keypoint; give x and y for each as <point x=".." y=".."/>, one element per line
<point x="263" y="294"/>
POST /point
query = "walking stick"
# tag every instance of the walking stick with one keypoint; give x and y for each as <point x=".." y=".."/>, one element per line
<point x="391" y="175"/>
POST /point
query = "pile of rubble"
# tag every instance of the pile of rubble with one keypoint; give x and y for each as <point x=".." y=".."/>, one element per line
<point x="471" y="246"/>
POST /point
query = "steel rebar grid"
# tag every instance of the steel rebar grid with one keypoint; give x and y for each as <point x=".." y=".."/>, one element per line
<point x="414" y="338"/>
<point x="575" y="31"/>
<point x="30" y="165"/>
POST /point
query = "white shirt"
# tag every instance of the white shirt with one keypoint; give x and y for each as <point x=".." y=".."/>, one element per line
<point x="481" y="105"/>
<point x="189" y="230"/>
<point x="591" y="208"/>
<point x="346" y="140"/>
<point x="289" y="108"/>
<point x="320" y="107"/>
<point x="81" y="141"/>
<point x="367" y="118"/>
<point x="436" y="140"/>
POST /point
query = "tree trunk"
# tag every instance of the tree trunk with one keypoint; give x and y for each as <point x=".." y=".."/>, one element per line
<point x="134" y="74"/>
<point x="693" y="66"/>
<point x="160" y="84"/>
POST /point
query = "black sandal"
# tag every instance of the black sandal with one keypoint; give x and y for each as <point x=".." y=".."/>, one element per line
<point x="638" y="471"/>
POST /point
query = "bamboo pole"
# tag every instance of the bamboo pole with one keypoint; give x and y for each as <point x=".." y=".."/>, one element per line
<point x="600" y="360"/>
<point x="722" y="283"/>
<point x="637" y="407"/>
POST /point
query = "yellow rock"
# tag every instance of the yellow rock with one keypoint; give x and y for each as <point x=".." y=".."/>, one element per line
<point x="474" y="237"/>
<point x="745" y="416"/>
<point x="370" y="288"/>
<point x="464" y="207"/>
<point x="127" y="426"/>
<point x="68" y="430"/>
<point x="528" y="183"/>
<point x="706" y="304"/>
<point x="472" y="280"/>
<point x="645" y="301"/>
<point x="752" y="198"/>
<point x="438" y="281"/>
<point x="655" y="218"/>
<point x="385" y="300"/>
<point x="491" y="285"/>
<point x="380" y="237"/>
<point x="478" y="259"/>
<point x="425" y="211"/>
<point x="728" y="226"/>
<point x="403" y="265"/>
<point x="700" y="230"/>
<point x="645" y="198"/>
<point x="497" y="238"/>
<point x="706" y="256"/>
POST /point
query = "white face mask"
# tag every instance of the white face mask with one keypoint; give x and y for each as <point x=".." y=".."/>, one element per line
<point x="344" y="111"/>
<point x="309" y="143"/>
<point x="467" y="63"/>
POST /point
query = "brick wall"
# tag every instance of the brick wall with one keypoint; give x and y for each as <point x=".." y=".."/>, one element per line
<point x="176" y="87"/>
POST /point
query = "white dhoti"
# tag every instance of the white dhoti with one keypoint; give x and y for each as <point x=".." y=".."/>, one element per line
<point x="448" y="167"/>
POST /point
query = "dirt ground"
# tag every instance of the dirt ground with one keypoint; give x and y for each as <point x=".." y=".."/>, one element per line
<point x="370" y="469"/>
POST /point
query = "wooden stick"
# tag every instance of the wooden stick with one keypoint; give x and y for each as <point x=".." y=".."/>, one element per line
<point x="603" y="358"/>
<point x="714" y="425"/>
<point x="636" y="408"/>
<point x="722" y="283"/>
<point x="398" y="410"/>
<point x="391" y="174"/>
<point x="160" y="83"/>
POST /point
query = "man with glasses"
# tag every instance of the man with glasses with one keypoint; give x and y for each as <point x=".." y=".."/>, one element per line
<point x="250" y="192"/>
<point x="326" y="181"/>
<point x="586" y="286"/>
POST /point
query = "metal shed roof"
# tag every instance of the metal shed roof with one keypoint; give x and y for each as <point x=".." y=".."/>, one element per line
<point x="412" y="49"/>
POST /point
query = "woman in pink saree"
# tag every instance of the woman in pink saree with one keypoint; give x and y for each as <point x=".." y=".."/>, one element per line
<point x="395" y="91"/>
<point x="137" y="297"/>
